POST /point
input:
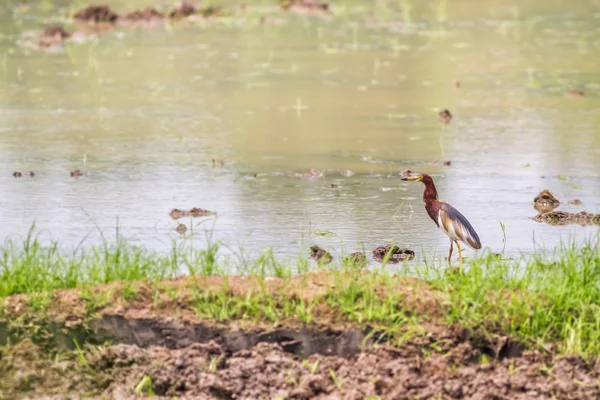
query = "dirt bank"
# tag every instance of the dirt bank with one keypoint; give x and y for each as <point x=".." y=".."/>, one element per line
<point x="170" y="339"/>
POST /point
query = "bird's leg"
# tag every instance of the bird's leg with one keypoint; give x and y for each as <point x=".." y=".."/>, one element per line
<point x="459" y="253"/>
<point x="450" y="253"/>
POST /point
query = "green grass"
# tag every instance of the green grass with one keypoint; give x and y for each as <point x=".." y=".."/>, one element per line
<point x="537" y="299"/>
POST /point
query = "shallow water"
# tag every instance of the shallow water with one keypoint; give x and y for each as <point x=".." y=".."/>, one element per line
<point x="144" y="111"/>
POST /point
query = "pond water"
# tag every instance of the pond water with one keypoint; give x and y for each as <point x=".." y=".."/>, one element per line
<point x="143" y="112"/>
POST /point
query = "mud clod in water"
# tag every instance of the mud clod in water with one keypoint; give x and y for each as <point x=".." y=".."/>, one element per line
<point x="545" y="202"/>
<point x="310" y="174"/>
<point x="305" y="7"/>
<point x="17" y="174"/>
<point x="53" y="35"/>
<point x="575" y="202"/>
<point x="194" y="212"/>
<point x="445" y="116"/>
<point x="320" y="255"/>
<point x="565" y="218"/>
<point x="356" y="260"/>
<point x="29" y="174"/>
<point x="574" y="93"/>
<point x="181" y="228"/>
<point x="396" y="254"/>
<point x="76" y="174"/>
<point x="211" y="11"/>
<point x="184" y="9"/>
<point x="406" y="172"/>
<point x="97" y="14"/>
<point x="147" y="15"/>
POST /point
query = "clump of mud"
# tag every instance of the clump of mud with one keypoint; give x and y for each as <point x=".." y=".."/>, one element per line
<point x="53" y="35"/>
<point x="445" y="116"/>
<point x="545" y="202"/>
<point x="148" y="14"/>
<point x="320" y="255"/>
<point x="446" y="163"/>
<point x="396" y="254"/>
<point x="565" y="218"/>
<point x="306" y="7"/>
<point x="184" y="9"/>
<point x="356" y="260"/>
<point x="19" y="174"/>
<point x="97" y="14"/>
<point x="575" y="202"/>
<point x="181" y="229"/>
<point x="311" y="173"/>
<point x="76" y="174"/>
<point x="574" y="93"/>
<point x="211" y="11"/>
<point x="194" y="212"/>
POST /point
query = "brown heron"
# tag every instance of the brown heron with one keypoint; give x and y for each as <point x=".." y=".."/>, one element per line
<point x="446" y="217"/>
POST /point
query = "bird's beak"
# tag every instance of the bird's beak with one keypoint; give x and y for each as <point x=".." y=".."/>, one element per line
<point x="412" y="178"/>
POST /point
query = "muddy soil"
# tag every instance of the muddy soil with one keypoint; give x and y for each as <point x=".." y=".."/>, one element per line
<point x="156" y="342"/>
<point x="445" y="365"/>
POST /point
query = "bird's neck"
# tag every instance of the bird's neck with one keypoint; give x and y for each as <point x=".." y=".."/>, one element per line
<point x="430" y="194"/>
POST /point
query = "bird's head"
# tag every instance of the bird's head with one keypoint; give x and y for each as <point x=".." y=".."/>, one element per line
<point x="426" y="179"/>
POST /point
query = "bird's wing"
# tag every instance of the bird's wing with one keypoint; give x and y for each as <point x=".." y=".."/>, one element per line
<point x="457" y="227"/>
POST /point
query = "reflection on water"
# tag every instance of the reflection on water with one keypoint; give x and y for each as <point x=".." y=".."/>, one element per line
<point x="143" y="112"/>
